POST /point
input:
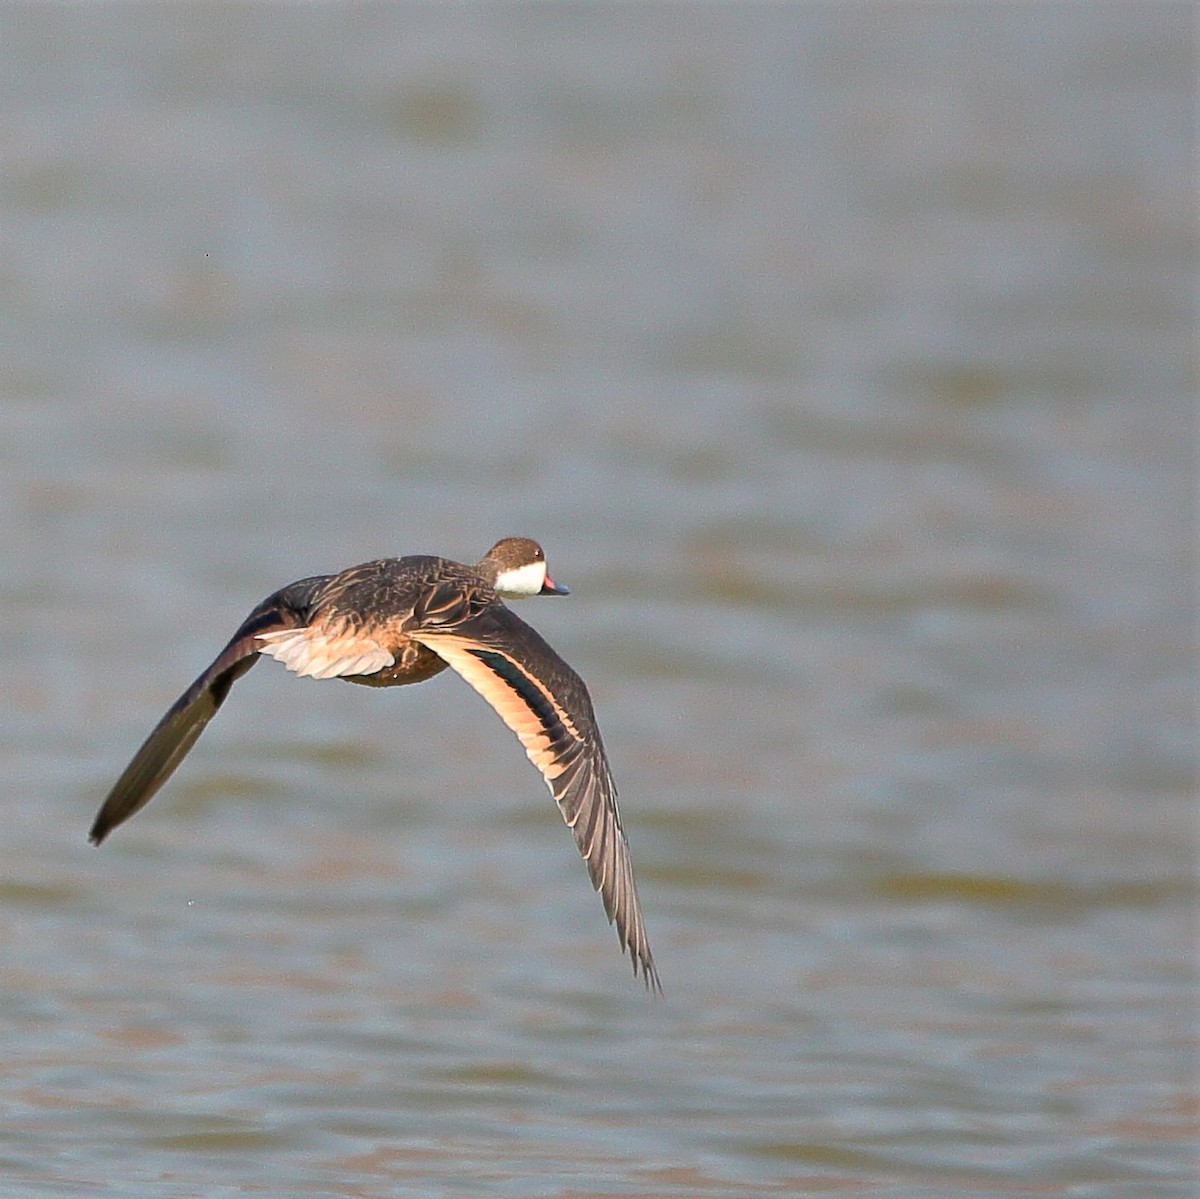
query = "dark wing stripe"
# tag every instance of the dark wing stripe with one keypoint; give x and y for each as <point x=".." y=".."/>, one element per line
<point x="541" y="701"/>
<point x="548" y="716"/>
<point x="177" y="731"/>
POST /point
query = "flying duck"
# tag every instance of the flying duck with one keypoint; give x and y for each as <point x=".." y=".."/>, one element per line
<point x="402" y="620"/>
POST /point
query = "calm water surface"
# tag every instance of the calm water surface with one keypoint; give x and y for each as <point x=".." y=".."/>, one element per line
<point x="840" y="357"/>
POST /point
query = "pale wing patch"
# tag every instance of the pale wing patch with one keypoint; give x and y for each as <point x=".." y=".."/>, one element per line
<point x="508" y="705"/>
<point x="316" y="655"/>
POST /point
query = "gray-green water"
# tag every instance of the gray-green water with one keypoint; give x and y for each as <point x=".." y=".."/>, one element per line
<point x="840" y="356"/>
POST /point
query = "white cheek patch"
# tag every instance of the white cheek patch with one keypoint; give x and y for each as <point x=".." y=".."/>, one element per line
<point x="521" y="581"/>
<point x="313" y="656"/>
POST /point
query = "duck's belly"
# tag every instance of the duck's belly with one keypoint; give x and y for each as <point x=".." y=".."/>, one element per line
<point x="414" y="664"/>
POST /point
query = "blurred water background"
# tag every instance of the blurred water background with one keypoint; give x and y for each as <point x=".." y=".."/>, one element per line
<point x="841" y="357"/>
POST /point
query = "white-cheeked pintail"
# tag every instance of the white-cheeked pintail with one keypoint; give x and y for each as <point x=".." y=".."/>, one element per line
<point x="403" y="620"/>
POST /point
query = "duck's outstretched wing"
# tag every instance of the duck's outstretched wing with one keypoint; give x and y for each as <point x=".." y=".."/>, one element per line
<point x="547" y="705"/>
<point x="176" y="733"/>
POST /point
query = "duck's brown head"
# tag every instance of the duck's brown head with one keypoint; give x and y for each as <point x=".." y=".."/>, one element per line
<point x="516" y="567"/>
